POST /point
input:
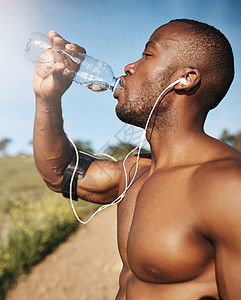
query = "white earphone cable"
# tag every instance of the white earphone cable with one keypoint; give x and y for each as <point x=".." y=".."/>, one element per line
<point x="127" y="186"/>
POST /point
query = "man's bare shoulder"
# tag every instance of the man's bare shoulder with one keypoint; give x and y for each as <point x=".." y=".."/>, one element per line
<point x="133" y="162"/>
<point x="144" y="159"/>
<point x="217" y="185"/>
<point x="220" y="173"/>
<point x="222" y="162"/>
<point x="220" y="169"/>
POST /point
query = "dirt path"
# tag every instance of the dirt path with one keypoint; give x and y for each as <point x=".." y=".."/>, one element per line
<point x="85" y="267"/>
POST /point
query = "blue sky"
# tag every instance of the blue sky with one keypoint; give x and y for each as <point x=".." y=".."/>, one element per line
<point x="115" y="32"/>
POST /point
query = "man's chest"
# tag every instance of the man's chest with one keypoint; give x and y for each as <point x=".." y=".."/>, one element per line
<point x="156" y="229"/>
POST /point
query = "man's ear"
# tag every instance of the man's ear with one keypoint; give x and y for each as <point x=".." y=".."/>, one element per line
<point x="192" y="77"/>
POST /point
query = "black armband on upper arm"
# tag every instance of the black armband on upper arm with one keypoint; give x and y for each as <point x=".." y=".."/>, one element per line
<point x="85" y="160"/>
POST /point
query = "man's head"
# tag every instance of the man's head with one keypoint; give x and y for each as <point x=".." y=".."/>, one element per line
<point x="205" y="48"/>
<point x="181" y="48"/>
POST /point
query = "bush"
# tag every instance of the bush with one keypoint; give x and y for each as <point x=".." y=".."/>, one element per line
<point x="36" y="228"/>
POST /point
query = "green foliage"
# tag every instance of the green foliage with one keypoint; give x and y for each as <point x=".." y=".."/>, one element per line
<point x="233" y="140"/>
<point x="122" y="149"/>
<point x="19" y="180"/>
<point x="3" y="145"/>
<point x="84" y="146"/>
<point x="33" y="220"/>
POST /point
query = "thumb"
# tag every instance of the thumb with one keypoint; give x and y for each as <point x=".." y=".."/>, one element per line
<point x="60" y="72"/>
<point x="62" y="76"/>
<point x="57" y="70"/>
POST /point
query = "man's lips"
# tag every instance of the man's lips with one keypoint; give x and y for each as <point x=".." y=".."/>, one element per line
<point x="120" y="89"/>
<point x="117" y="92"/>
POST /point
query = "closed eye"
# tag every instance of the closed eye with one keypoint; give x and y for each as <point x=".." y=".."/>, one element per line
<point x="146" y="54"/>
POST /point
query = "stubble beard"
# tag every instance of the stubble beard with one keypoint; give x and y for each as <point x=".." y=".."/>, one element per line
<point x="137" y="108"/>
<point x="133" y="112"/>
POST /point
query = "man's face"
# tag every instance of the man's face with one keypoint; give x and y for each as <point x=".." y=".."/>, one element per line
<point x="146" y="78"/>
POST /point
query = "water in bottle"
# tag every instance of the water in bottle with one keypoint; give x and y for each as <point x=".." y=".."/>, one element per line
<point x="94" y="74"/>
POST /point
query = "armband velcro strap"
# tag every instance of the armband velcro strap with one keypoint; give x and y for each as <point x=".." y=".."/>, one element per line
<point x="85" y="160"/>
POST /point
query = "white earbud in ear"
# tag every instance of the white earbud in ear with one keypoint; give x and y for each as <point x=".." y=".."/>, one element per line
<point x="182" y="80"/>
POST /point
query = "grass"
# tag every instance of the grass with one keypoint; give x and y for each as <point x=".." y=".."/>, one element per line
<point x="33" y="220"/>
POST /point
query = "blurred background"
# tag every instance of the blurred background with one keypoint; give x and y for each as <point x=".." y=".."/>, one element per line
<point x="33" y="221"/>
<point x="115" y="32"/>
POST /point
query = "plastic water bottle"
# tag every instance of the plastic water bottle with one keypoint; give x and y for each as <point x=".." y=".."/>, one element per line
<point x="92" y="73"/>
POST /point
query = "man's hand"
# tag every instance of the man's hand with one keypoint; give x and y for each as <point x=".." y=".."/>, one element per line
<point x="52" y="80"/>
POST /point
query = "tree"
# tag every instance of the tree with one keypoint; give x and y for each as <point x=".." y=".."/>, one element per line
<point x="84" y="145"/>
<point x="3" y="145"/>
<point x="122" y="149"/>
<point x="233" y="140"/>
<point x="237" y="142"/>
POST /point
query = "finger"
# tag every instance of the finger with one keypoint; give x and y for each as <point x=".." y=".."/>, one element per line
<point x="61" y="42"/>
<point x="74" y="48"/>
<point x="59" y="71"/>
<point x="52" y="34"/>
<point x="57" y="39"/>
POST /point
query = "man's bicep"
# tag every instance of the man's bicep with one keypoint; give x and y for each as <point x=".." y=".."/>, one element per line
<point x="228" y="270"/>
<point x="226" y="236"/>
<point x="101" y="182"/>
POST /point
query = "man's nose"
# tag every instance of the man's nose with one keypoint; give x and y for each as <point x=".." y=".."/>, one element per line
<point x="131" y="68"/>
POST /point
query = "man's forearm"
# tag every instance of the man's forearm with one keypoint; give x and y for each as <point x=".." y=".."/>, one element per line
<point x="52" y="150"/>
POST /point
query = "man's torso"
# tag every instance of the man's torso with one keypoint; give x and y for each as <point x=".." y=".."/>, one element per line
<point x="164" y="253"/>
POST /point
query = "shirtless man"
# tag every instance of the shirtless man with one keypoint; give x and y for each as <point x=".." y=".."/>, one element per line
<point x="179" y="224"/>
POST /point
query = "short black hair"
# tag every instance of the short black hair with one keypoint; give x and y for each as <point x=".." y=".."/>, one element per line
<point x="207" y="49"/>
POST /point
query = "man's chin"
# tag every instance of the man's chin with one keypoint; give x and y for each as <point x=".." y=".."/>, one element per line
<point x="129" y="117"/>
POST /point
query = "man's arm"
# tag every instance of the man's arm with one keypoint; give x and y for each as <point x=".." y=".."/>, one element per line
<point x="223" y="214"/>
<point x="52" y="149"/>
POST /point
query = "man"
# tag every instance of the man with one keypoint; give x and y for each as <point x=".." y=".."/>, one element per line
<point x="179" y="224"/>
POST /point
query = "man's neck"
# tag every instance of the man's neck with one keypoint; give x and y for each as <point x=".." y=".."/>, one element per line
<point x="172" y="147"/>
